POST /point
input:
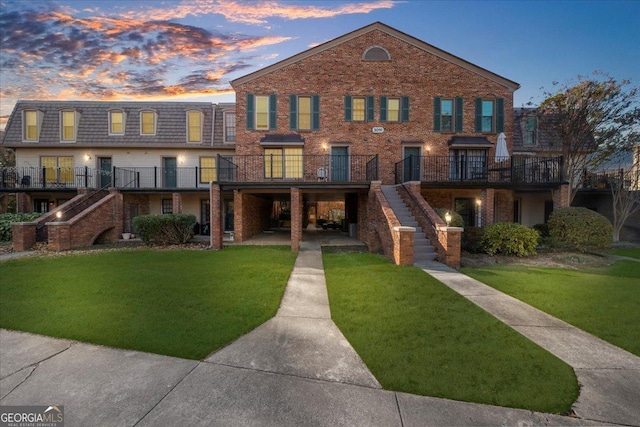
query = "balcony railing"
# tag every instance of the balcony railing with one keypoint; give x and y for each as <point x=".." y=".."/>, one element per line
<point x="480" y="169"/>
<point x="245" y="169"/>
<point x="611" y="179"/>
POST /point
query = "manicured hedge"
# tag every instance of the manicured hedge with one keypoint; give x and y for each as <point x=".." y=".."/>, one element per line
<point x="508" y="238"/>
<point x="471" y="239"/>
<point x="164" y="229"/>
<point x="579" y="229"/>
<point x="6" y="219"/>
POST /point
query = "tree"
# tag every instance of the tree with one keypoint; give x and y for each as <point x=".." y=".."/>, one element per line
<point x="593" y="119"/>
<point x="625" y="193"/>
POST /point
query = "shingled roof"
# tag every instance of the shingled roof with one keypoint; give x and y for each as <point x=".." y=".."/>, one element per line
<point x="93" y="126"/>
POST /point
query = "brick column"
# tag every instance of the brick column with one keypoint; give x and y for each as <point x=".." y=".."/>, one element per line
<point x="451" y="238"/>
<point x="561" y="197"/>
<point x="177" y="203"/>
<point x="487" y="206"/>
<point x="118" y="213"/>
<point x="59" y="236"/>
<point x="215" y="219"/>
<point x="25" y="205"/>
<point x="238" y="224"/>
<point x="24" y="235"/>
<point x="403" y="245"/>
<point x="296" y="219"/>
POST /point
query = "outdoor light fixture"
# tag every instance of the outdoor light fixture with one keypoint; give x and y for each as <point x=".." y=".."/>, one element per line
<point x="59" y="214"/>
<point x="478" y="202"/>
<point x="181" y="159"/>
<point x="447" y="218"/>
<point x="87" y="157"/>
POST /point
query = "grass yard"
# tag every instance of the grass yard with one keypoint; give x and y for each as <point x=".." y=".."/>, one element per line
<point x="633" y="253"/>
<point x="180" y="303"/>
<point x="418" y="336"/>
<point x="604" y="301"/>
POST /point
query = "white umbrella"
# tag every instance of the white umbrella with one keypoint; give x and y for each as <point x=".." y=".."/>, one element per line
<point x="502" y="153"/>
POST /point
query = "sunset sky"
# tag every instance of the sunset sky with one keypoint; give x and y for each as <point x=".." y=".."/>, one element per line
<point x="191" y="49"/>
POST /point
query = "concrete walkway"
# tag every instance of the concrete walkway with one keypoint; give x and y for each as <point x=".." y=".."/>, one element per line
<point x="609" y="376"/>
<point x="296" y="370"/>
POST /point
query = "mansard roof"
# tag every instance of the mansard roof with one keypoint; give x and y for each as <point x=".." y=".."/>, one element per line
<point x="378" y="26"/>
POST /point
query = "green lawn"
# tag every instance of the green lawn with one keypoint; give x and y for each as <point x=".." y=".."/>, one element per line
<point x="633" y="253"/>
<point x="418" y="336"/>
<point x="179" y="303"/>
<point x="604" y="301"/>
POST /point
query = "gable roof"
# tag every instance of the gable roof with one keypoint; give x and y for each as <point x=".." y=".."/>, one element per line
<point x="379" y="26"/>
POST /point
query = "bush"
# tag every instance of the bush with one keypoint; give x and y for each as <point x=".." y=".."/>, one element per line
<point x="508" y="238"/>
<point x="7" y="219"/>
<point x="579" y="229"/>
<point x="456" y="219"/>
<point x="170" y="229"/>
<point x="543" y="230"/>
<point x="471" y="237"/>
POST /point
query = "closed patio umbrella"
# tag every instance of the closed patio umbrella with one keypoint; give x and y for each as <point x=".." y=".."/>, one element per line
<point x="502" y="153"/>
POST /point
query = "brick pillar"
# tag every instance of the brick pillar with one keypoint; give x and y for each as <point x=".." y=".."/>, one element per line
<point x="561" y="197"/>
<point x="25" y="205"/>
<point x="118" y="213"/>
<point x="451" y="239"/>
<point x="24" y="235"/>
<point x="238" y="224"/>
<point x="296" y="219"/>
<point x="176" y="198"/>
<point x="59" y="236"/>
<point x="215" y="220"/>
<point x="487" y="206"/>
<point x="403" y="245"/>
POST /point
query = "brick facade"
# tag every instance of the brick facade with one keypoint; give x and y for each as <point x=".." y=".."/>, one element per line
<point x="251" y="215"/>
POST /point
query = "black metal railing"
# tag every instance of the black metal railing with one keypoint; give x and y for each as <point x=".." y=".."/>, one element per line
<point x="45" y="177"/>
<point x="610" y="179"/>
<point x="480" y="169"/>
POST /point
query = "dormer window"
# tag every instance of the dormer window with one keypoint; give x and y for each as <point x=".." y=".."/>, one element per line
<point x="68" y="126"/>
<point x="32" y="122"/>
<point x="376" y="53"/>
<point x="147" y="122"/>
<point x="117" y="119"/>
<point x="530" y="130"/>
<point x="194" y="126"/>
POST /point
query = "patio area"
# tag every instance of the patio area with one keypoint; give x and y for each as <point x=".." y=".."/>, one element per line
<point x="310" y="234"/>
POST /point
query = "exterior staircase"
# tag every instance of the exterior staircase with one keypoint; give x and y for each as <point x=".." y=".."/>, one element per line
<point x="422" y="248"/>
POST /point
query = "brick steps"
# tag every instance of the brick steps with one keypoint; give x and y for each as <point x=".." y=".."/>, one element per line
<point x="422" y="248"/>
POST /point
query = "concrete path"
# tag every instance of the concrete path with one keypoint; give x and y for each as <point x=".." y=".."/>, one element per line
<point x="608" y="375"/>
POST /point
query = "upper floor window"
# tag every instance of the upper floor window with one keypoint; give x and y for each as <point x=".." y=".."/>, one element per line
<point x="194" y="126"/>
<point x="376" y="53"/>
<point x="116" y="122"/>
<point x="283" y="162"/>
<point x="358" y="108"/>
<point x="304" y="112"/>
<point x="394" y="109"/>
<point x="68" y="126"/>
<point x="147" y="122"/>
<point x="530" y="130"/>
<point x="489" y="115"/>
<point x="208" y="169"/>
<point x="31" y="120"/>
<point x="229" y="127"/>
<point x="261" y="112"/>
<point x="447" y="114"/>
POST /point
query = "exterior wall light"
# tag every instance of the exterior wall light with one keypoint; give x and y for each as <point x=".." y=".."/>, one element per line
<point x="447" y="218"/>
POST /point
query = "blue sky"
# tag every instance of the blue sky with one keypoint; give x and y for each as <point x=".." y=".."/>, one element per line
<point x="191" y="49"/>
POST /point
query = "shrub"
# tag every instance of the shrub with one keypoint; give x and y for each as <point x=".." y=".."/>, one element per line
<point x="508" y="238"/>
<point x="456" y="219"/>
<point x="471" y="237"/>
<point x="7" y="219"/>
<point x="543" y="230"/>
<point x="579" y="229"/>
<point x="164" y="229"/>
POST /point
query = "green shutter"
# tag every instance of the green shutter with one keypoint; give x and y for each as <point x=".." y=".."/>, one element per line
<point x="436" y="114"/>
<point x="273" y="108"/>
<point x="478" y="114"/>
<point x="250" y="111"/>
<point x="347" y="108"/>
<point x="499" y="115"/>
<point x="370" y="113"/>
<point x="383" y="108"/>
<point x="459" y="114"/>
<point x="315" y="112"/>
<point x="293" y="112"/>
<point x="405" y="108"/>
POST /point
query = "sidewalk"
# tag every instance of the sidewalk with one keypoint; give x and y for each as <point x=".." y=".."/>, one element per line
<point x="296" y="370"/>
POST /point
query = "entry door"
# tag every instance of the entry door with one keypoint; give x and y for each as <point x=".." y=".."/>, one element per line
<point x="169" y="169"/>
<point x="411" y="164"/>
<point x="104" y="163"/>
<point x="340" y="164"/>
<point x="466" y="209"/>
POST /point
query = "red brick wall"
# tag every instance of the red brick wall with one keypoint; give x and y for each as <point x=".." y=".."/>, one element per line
<point x="251" y="215"/>
<point x="215" y="218"/>
<point x="339" y="71"/>
<point x="296" y="219"/>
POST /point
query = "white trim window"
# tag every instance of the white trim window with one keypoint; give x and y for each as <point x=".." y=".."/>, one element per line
<point x="148" y="119"/>
<point x="229" y="120"/>
<point x="194" y="126"/>
<point x="31" y="125"/>
<point x="68" y="125"/>
<point x="117" y="120"/>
